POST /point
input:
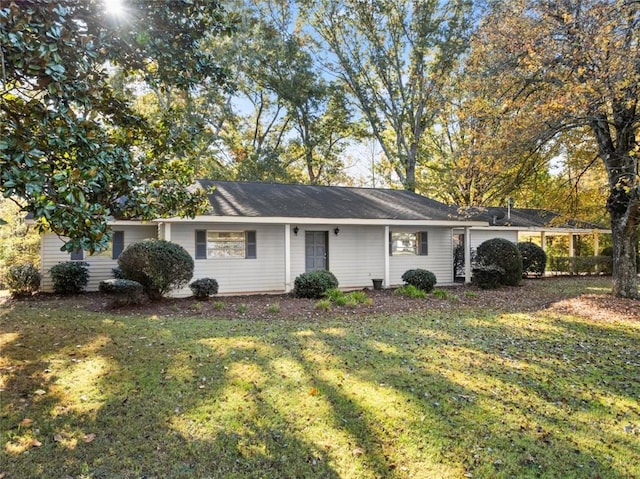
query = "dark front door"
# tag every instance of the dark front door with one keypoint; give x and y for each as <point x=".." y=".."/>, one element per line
<point x="316" y="250"/>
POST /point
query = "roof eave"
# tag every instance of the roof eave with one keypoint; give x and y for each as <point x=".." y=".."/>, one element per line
<point x="312" y="221"/>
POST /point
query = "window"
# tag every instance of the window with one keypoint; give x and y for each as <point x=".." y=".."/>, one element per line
<point x="225" y="244"/>
<point x="113" y="251"/>
<point x="77" y="255"/>
<point x="408" y="243"/>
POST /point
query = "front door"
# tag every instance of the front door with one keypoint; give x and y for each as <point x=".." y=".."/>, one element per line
<point x="315" y="250"/>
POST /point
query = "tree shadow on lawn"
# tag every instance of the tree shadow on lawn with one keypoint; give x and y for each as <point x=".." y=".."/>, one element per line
<point x="440" y="396"/>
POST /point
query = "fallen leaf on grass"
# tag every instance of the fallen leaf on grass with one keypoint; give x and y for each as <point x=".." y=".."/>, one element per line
<point x="39" y="392"/>
<point x="25" y="422"/>
<point x="314" y="392"/>
<point x="89" y="437"/>
<point x="35" y="443"/>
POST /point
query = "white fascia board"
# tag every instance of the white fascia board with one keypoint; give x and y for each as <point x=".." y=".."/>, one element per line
<point x="31" y="221"/>
<point x="315" y="221"/>
<point x="131" y="222"/>
<point x="537" y="229"/>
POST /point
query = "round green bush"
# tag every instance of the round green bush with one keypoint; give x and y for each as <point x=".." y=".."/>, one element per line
<point x="503" y="254"/>
<point x="487" y="276"/>
<point x="314" y="284"/>
<point x="420" y="278"/>
<point x="534" y="259"/>
<point x="22" y="279"/>
<point x="204" y="287"/>
<point x="70" y="277"/>
<point x="122" y="291"/>
<point x="158" y="265"/>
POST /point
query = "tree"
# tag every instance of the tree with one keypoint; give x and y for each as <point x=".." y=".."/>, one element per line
<point x="18" y="242"/>
<point x="477" y="154"/>
<point x="71" y="148"/>
<point x="577" y="65"/>
<point x="394" y="58"/>
<point x="287" y="122"/>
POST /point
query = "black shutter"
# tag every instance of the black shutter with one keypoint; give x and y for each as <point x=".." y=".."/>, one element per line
<point x="201" y="244"/>
<point x="250" y="245"/>
<point x="77" y="255"/>
<point x="118" y="244"/>
<point x="424" y="243"/>
<point x="390" y="244"/>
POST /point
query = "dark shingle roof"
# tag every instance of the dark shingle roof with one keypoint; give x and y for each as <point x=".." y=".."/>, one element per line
<point x="254" y="199"/>
<point x="526" y="218"/>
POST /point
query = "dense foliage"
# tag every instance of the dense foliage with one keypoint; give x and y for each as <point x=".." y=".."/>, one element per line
<point x="534" y="259"/>
<point x="22" y="279"/>
<point x="71" y="147"/>
<point x="159" y="265"/>
<point x="19" y="243"/>
<point x="123" y="292"/>
<point x="70" y="277"/>
<point x="503" y="256"/>
<point x="314" y="284"/>
<point x="571" y="68"/>
<point x="204" y="287"/>
<point x="420" y="278"/>
<point x="487" y="276"/>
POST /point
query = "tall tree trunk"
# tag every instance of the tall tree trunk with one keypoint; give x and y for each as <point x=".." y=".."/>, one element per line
<point x="623" y="203"/>
<point x="625" y="250"/>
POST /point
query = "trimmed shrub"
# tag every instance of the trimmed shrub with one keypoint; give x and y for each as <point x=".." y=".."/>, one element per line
<point x="70" y="277"/>
<point x="608" y="251"/>
<point x="420" y="278"/>
<point x="580" y="264"/>
<point x="487" y="276"/>
<point x="123" y="292"/>
<point x="22" y="279"/>
<point x="117" y="273"/>
<point x="204" y="287"/>
<point x="534" y="259"/>
<point x="314" y="284"/>
<point x="504" y="255"/>
<point x="158" y="265"/>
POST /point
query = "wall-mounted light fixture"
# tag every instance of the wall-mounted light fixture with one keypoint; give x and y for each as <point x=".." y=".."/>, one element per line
<point x="336" y="231"/>
<point x="295" y="230"/>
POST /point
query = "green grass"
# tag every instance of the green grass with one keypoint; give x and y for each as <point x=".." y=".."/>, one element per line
<point x="410" y="291"/>
<point x="274" y="308"/>
<point x="340" y="298"/>
<point x="448" y="394"/>
<point x="444" y="294"/>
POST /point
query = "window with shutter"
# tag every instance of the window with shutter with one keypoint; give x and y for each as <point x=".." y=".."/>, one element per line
<point x="250" y="245"/>
<point x="225" y="244"/>
<point x="118" y="244"/>
<point x="201" y="244"/>
<point x="77" y="255"/>
<point x="423" y="243"/>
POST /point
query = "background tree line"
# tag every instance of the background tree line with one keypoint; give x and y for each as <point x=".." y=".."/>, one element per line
<point x="469" y="103"/>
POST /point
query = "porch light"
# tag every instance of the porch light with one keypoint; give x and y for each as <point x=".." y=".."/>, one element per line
<point x="336" y="231"/>
<point x="295" y="230"/>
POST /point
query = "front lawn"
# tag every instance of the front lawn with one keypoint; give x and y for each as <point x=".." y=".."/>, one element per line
<point x="453" y="391"/>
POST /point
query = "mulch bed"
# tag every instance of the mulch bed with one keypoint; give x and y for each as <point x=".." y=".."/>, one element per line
<point x="526" y="297"/>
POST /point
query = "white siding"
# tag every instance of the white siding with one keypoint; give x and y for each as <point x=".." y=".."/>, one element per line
<point x="356" y="254"/>
<point x="439" y="260"/>
<point x="480" y="236"/>
<point x="99" y="267"/>
<point x="264" y="274"/>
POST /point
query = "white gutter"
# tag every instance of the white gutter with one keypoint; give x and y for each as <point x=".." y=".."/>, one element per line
<point x="314" y="221"/>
